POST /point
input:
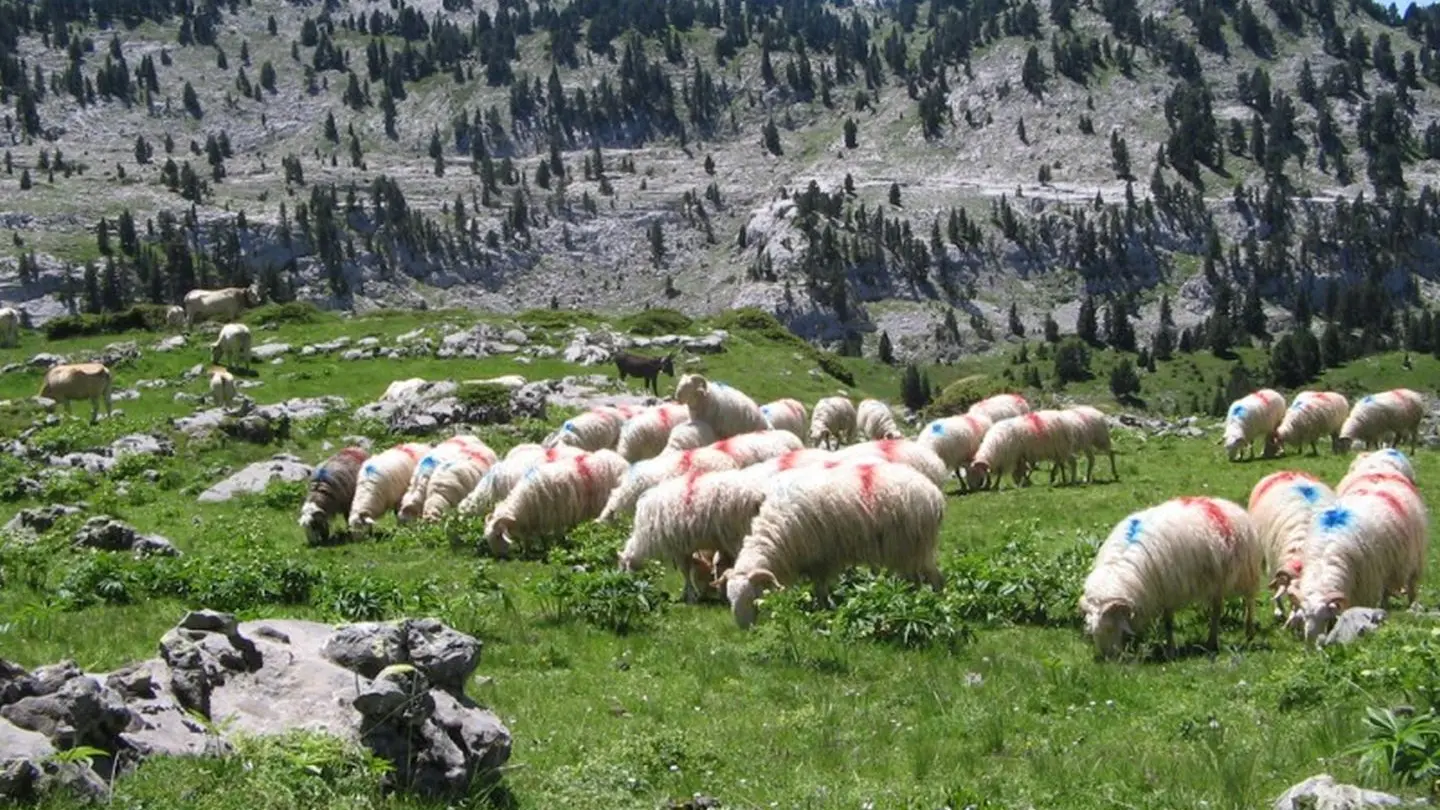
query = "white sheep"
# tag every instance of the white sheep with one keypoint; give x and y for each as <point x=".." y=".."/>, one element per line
<point x="1312" y="416"/>
<point x="226" y="304"/>
<point x="793" y="460"/>
<point x="9" y="327"/>
<point x="818" y="523"/>
<point x="1375" y="478"/>
<point x="595" y="429"/>
<point x="501" y="478"/>
<point x="1283" y="505"/>
<point x="1164" y="558"/>
<point x="700" y="511"/>
<point x="455" y="447"/>
<point x="955" y="439"/>
<point x="232" y="344"/>
<point x="757" y="446"/>
<point x="1366" y="547"/>
<point x="652" y="472"/>
<point x="66" y="383"/>
<point x="833" y="420"/>
<point x="175" y="318"/>
<point x="1013" y="445"/>
<point x="1387" y="460"/>
<point x="728" y="411"/>
<point x="1001" y="406"/>
<point x="1253" y="416"/>
<point x="452" y="482"/>
<point x="1053" y="438"/>
<point x="1391" y="416"/>
<point x="646" y="434"/>
<point x="689" y="435"/>
<point x="875" y="421"/>
<point x="383" y="479"/>
<point x="331" y="492"/>
<point x="222" y="387"/>
<point x="785" y="414"/>
<point x="1089" y="434"/>
<point x="899" y="451"/>
<point x="554" y="497"/>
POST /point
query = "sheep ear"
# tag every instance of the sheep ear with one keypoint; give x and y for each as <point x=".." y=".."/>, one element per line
<point x="763" y="579"/>
<point x="719" y="582"/>
<point x="1282" y="579"/>
<point x="1338" y="603"/>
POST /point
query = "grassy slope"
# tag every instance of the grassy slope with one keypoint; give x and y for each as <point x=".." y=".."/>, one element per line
<point x="781" y="715"/>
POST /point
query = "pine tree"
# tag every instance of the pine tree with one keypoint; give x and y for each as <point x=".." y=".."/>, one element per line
<point x="1087" y="327"/>
<point x="1052" y="329"/>
<point x="1332" y="347"/>
<point x="771" y="138"/>
<point x="1285" y="367"/>
<point x="93" y="304"/>
<point x="191" y="101"/>
<point x="886" y="352"/>
<point x="1219" y="333"/>
<point x="851" y="132"/>
<point x="1124" y="380"/>
<point x="914" y="389"/>
<point x="332" y="133"/>
<point x="1016" y="327"/>
<point x="895" y="194"/>
<point x="657" y="242"/>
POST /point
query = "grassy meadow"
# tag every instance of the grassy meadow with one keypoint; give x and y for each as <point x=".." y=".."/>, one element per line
<point x="618" y="695"/>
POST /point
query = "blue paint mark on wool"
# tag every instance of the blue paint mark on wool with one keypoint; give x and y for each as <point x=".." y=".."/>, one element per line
<point x="1297" y="404"/>
<point x="369" y="471"/>
<point x="568" y="427"/>
<point x="428" y="463"/>
<point x="1335" y="518"/>
<point x="1308" y="491"/>
<point x="1132" y="531"/>
<point x="320" y="474"/>
<point x="937" y="428"/>
<point x="1237" y="411"/>
<point x="1393" y="453"/>
<point x="1367" y="400"/>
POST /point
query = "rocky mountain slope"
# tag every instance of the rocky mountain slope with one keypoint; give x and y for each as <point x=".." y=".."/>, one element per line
<point x="911" y="167"/>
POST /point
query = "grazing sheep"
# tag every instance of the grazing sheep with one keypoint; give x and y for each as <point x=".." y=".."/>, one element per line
<point x="455" y="447"/>
<point x="1001" y="406"/>
<point x="758" y="446"/>
<point x="332" y="491"/>
<point x="1367" y="546"/>
<point x="785" y="414"/>
<point x="1391" y="416"/>
<point x="645" y="475"/>
<point x="874" y="421"/>
<point x="955" y="439"/>
<point x="728" y="411"/>
<point x="1254" y="416"/>
<point x="1312" y="416"/>
<point x="383" y="479"/>
<point x="646" y="435"/>
<point x="698" y="512"/>
<point x="818" y="523"/>
<point x="899" y="451"/>
<point x="222" y="387"/>
<point x="596" y="429"/>
<point x="555" y="497"/>
<point x="502" y="477"/>
<point x="1283" y="505"/>
<point x="833" y="419"/>
<point x="1355" y="481"/>
<point x="232" y="344"/>
<point x="452" y="482"/>
<point x="1089" y="434"/>
<point x="1387" y="460"/>
<point x="1052" y="438"/>
<point x="175" y="318"/>
<point x="9" y="327"/>
<point x="67" y="383"/>
<point x="1003" y="450"/>
<point x="225" y="305"/>
<point x="1164" y="558"/>
<point x="689" y="435"/>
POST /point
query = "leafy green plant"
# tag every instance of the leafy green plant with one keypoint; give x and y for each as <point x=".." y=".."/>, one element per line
<point x="1404" y="746"/>
<point x="608" y="599"/>
<point x="141" y="317"/>
<point x="891" y="611"/>
<point x="657" y="321"/>
<point x="488" y="396"/>
<point x="554" y="319"/>
<point x="958" y="396"/>
<point x="283" y="495"/>
<point x="99" y="578"/>
<point x="291" y="312"/>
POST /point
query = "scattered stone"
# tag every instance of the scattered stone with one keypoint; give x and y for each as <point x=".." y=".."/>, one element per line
<point x="1352" y="624"/>
<point x="93" y="463"/>
<point x="254" y="478"/>
<point x="589" y="349"/>
<point x="410" y="337"/>
<point x="1324" y="793"/>
<point x="301" y="408"/>
<point x="146" y="385"/>
<point x="105" y="533"/>
<point x="417" y="407"/>
<point x="713" y="343"/>
<point x="269" y="351"/>
<point x="367" y="342"/>
<point x="38" y="520"/>
<point x="174" y="343"/>
<point x="119" y="354"/>
<point x="143" y="444"/>
<point x="516" y="337"/>
<point x="331" y="346"/>
<point x="357" y="354"/>
<point x="193" y="373"/>
<point x="45" y="360"/>
<point x="11" y="368"/>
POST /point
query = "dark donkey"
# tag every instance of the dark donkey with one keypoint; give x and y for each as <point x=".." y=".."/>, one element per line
<point x="647" y="368"/>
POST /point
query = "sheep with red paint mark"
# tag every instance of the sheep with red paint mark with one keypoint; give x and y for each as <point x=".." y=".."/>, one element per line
<point x="833" y="421"/>
<point x="817" y="524"/>
<point x="453" y="481"/>
<point x="502" y="477"/>
<point x="595" y="429"/>
<point x="552" y="498"/>
<point x="1001" y="406"/>
<point x="1089" y="433"/>
<point x="875" y="421"/>
<point x="331" y="492"/>
<point x="955" y="439"/>
<point x="1052" y="438"/>
<point x="1253" y="416"/>
<point x="455" y="447"/>
<point x="1389" y="460"/>
<point x="645" y="475"/>
<point x="899" y="451"/>
<point x="758" y="446"/>
<point x="726" y="410"/>
<point x="698" y="512"/>
<point x="1159" y="560"/>
<point x="1312" y="416"/>
<point x="1366" y="547"/>
<point x="1284" y="505"/>
<point x="793" y="460"/>
<point x="1389" y="417"/>
<point x="646" y="434"/>
<point x="689" y="435"/>
<point x="786" y="414"/>
<point x="382" y="484"/>
<point x="1005" y="449"/>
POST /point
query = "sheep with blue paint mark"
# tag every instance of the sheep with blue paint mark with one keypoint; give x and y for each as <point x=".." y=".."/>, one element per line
<point x="645" y="475"/>
<point x="1312" y="416"/>
<point x="552" y="498"/>
<point x="595" y="429"/>
<point x="1009" y="446"/>
<point x="1284" y="505"/>
<point x="455" y="447"/>
<point x="875" y="421"/>
<point x="1365" y="548"/>
<point x="955" y="439"/>
<point x="832" y="423"/>
<point x="502" y="477"/>
<point x="382" y="484"/>
<point x="453" y="481"/>
<point x="1253" y="416"/>
<point x="1388" y="460"/>
<point x="1159" y="560"/>
<point x="726" y="410"/>
<point x="331" y="492"/>
<point x="1389" y="417"/>
<point x="786" y="414"/>
<point x="646" y="434"/>
<point x="1001" y="406"/>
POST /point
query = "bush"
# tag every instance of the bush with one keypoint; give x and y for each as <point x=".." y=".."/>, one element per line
<point x="141" y="317"/>
<point x="290" y="312"/>
<point x="958" y="396"/>
<point x="611" y="600"/>
<point x="1072" y="362"/>
<point x="555" y="319"/>
<point x="764" y="325"/>
<point x="891" y="611"/>
<point x="658" y="321"/>
<point x="487" y="396"/>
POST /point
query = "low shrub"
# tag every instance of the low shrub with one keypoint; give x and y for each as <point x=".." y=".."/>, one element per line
<point x="657" y="321"/>
<point x="289" y="312"/>
<point x="555" y="319"/>
<point x="487" y="396"/>
<point x="140" y="317"/>
<point x="958" y="396"/>
<point x="607" y="598"/>
<point x="891" y="611"/>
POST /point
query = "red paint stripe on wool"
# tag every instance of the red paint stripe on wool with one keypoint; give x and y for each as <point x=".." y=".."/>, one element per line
<point x="664" y="417"/>
<point x="1295" y="566"/>
<point x="551" y="453"/>
<point x="1213" y="513"/>
<point x="687" y="460"/>
<point x="409" y="451"/>
<point x="1393" y="502"/>
<point x="1036" y="423"/>
<point x="1278" y="478"/>
<point x="723" y="446"/>
<point x="582" y="468"/>
<point x="355" y="453"/>
<point x="867" y="482"/>
<point x="1384" y="478"/>
<point x="889" y="448"/>
<point x="691" y="482"/>
<point x="788" y="460"/>
<point x="973" y="423"/>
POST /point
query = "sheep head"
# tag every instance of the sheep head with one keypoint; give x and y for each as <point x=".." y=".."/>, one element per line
<point x="628" y="563"/>
<point x="361" y="524"/>
<point x="410" y="505"/>
<point x="1110" y="626"/>
<point x="313" y="520"/>
<point x="742" y="589"/>
<point x="976" y="474"/>
<point x="1274" y="445"/>
<point x="497" y="529"/>
<point x="215" y="353"/>
<point x="668" y="364"/>
<point x="1320" y="614"/>
<point x="1284" y="584"/>
<point x="1234" y="447"/>
<point x="691" y="389"/>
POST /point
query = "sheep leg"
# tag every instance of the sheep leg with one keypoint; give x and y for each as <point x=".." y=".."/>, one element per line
<point x="1249" y="617"/>
<point x="1169" y="621"/>
<point x="1114" y="474"/>
<point x="1213" y="642"/>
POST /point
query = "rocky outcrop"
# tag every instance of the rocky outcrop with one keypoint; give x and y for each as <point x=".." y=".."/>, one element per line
<point x="1324" y="793"/>
<point x="37" y="520"/>
<point x="254" y="478"/>
<point x="417" y="407"/>
<point x="104" y="533"/>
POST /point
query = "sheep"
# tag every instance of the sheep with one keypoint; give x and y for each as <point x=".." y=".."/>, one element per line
<point x="233" y="344"/>
<point x="452" y="482"/>
<point x="9" y="327"/>
<point x="455" y="447"/>
<point x="1352" y="482"/>
<point x="175" y="318"/>
<point x="816" y="524"/>
<point x="332" y="491"/>
<point x="1389" y="416"/>
<point x="383" y="479"/>
<point x="900" y="451"/>
<point x="1251" y="417"/>
<point x="652" y="472"/>
<point x="1089" y="433"/>
<point x="758" y="446"/>
<point x="1367" y="546"/>
<point x="689" y="435"/>
<point x="955" y="439"/>
<point x="554" y="497"/>
<point x="222" y="387"/>
<point x="646" y="435"/>
<point x="1387" y="460"/>
<point x="1001" y="451"/>
<point x="874" y="421"/>
<point x="698" y="512"/>
<point x="225" y="304"/>
<point x="833" y="419"/>
<point x="501" y="478"/>
<point x="1164" y="558"/>
<point x="595" y="429"/>
<point x="727" y="411"/>
<point x="793" y="460"/>
<point x="1312" y="415"/>
<point x="66" y="383"/>
<point x="1283" y="505"/>
<point x="785" y="414"/>
<point x="1000" y="406"/>
<point x="1053" y="438"/>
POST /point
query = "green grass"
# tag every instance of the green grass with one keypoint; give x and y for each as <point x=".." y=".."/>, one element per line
<point x="1007" y="709"/>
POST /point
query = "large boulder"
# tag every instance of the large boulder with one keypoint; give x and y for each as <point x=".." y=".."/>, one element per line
<point x="105" y="533"/>
<point x="254" y="478"/>
<point x="1324" y="793"/>
<point x="143" y="444"/>
<point x="38" y="519"/>
<point x="416" y="407"/>
<point x="266" y="352"/>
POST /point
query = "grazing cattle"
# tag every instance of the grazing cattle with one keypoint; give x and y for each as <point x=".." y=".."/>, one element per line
<point x="226" y="304"/>
<point x="66" y="383"/>
<point x="232" y="345"/>
<point x="646" y="368"/>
